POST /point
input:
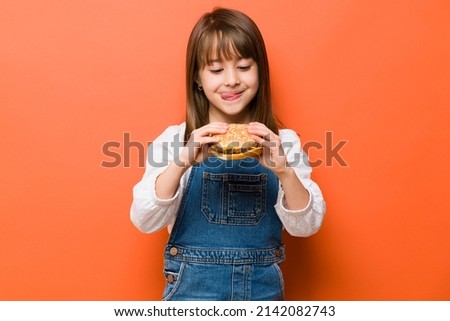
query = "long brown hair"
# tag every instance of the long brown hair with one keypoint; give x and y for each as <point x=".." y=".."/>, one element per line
<point x="227" y="33"/>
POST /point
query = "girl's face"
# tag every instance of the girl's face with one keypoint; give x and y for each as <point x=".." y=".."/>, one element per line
<point x="229" y="85"/>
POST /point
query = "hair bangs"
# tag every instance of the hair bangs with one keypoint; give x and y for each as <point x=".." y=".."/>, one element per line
<point x="222" y="45"/>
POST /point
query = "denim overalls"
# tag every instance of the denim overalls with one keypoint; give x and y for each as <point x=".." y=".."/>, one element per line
<point x="226" y="241"/>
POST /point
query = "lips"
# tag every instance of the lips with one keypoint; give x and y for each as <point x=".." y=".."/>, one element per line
<point x="229" y="96"/>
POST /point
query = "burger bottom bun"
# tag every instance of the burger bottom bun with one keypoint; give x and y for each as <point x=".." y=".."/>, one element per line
<point x="254" y="152"/>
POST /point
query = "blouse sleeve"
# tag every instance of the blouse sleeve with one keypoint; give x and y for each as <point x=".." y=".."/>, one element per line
<point x="149" y="213"/>
<point x="308" y="220"/>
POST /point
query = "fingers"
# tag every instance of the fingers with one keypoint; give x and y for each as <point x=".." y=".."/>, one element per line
<point x="212" y="128"/>
<point x="263" y="135"/>
<point x="203" y="134"/>
<point x="273" y="154"/>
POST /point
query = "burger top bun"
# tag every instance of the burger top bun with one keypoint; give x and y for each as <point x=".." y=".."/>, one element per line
<point x="235" y="137"/>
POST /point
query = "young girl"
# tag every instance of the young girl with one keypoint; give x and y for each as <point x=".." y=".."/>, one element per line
<point x="226" y="217"/>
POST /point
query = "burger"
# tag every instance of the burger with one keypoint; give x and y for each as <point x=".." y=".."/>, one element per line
<point x="236" y="143"/>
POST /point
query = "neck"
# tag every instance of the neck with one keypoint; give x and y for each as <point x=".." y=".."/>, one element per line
<point x="241" y="118"/>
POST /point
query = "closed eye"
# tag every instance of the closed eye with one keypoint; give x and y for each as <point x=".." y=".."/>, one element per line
<point x="244" y="68"/>
<point x="216" y="71"/>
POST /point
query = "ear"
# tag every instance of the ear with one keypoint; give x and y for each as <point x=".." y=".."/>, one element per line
<point x="199" y="85"/>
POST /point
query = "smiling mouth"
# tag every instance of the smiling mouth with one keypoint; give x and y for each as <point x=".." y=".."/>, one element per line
<point x="231" y="96"/>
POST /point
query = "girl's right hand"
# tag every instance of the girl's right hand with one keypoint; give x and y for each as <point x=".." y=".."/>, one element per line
<point x="196" y="148"/>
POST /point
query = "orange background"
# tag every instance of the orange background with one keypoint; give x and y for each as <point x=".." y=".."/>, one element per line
<point x="75" y="75"/>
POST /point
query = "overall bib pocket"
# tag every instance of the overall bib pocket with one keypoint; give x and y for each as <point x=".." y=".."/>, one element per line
<point x="234" y="199"/>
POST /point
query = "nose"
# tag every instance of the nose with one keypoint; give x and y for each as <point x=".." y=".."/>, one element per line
<point x="232" y="77"/>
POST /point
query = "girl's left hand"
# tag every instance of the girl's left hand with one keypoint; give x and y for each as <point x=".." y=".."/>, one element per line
<point x="273" y="156"/>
